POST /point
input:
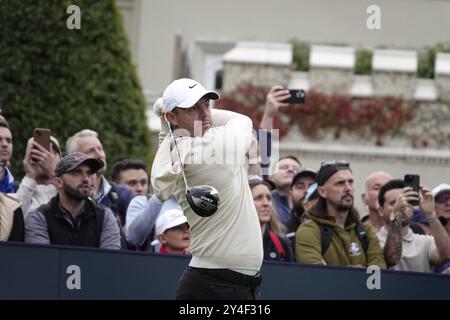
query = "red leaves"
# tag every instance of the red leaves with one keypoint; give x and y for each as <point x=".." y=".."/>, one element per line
<point x="377" y="117"/>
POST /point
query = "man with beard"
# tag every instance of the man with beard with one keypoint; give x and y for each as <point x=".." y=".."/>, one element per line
<point x="403" y="249"/>
<point x="333" y="235"/>
<point x="114" y="196"/>
<point x="71" y="218"/>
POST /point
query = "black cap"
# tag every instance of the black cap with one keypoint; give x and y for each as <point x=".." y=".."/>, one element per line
<point x="74" y="160"/>
<point x="303" y="173"/>
<point x="328" y="168"/>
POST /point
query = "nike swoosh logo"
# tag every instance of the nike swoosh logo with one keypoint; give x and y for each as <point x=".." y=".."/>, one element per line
<point x="190" y="87"/>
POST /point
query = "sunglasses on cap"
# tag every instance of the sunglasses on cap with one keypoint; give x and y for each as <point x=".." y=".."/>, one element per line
<point x="340" y="163"/>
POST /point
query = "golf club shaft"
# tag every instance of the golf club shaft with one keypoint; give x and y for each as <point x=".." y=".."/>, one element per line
<point x="178" y="154"/>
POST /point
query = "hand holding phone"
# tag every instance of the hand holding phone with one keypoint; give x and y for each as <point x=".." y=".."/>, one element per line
<point x="42" y="137"/>
<point x="297" y="96"/>
<point x="413" y="181"/>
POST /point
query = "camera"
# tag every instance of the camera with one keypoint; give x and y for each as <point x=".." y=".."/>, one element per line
<point x="297" y="96"/>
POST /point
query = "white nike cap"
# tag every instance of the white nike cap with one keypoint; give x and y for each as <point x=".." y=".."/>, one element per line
<point x="184" y="93"/>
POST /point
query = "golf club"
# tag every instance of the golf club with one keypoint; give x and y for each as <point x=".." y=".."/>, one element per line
<point x="203" y="200"/>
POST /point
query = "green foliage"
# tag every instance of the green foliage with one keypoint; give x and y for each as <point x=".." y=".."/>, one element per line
<point x="69" y="80"/>
<point x="427" y="60"/>
<point x="363" y="62"/>
<point x="300" y="55"/>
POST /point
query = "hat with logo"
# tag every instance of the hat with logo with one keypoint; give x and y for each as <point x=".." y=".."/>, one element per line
<point x="184" y="93"/>
<point x="169" y="219"/>
<point x="440" y="188"/>
<point x="75" y="159"/>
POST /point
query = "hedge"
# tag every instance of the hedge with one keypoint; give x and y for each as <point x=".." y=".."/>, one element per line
<point x="69" y="80"/>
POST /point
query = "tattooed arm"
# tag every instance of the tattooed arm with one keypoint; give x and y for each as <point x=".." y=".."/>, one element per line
<point x="393" y="247"/>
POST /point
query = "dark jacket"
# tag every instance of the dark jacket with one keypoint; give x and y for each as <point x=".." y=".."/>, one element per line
<point x="95" y="227"/>
<point x="18" y="227"/>
<point x="118" y="199"/>
<point x="270" y="250"/>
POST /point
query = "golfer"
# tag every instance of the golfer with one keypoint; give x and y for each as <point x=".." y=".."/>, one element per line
<point x="226" y="247"/>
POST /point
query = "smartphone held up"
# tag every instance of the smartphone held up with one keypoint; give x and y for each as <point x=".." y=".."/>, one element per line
<point x="413" y="181"/>
<point x="297" y="96"/>
<point x="42" y="137"/>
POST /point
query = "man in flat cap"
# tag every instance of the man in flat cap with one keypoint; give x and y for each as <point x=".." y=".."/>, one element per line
<point x="334" y="235"/>
<point x="71" y="218"/>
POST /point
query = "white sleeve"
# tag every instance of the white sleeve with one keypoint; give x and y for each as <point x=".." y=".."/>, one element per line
<point x="25" y="193"/>
<point x="141" y="217"/>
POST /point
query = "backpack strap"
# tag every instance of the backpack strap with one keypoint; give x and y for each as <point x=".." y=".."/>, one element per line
<point x="363" y="237"/>
<point x="277" y="244"/>
<point x="326" y="232"/>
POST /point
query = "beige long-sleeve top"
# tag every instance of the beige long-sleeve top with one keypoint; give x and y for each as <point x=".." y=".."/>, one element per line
<point x="230" y="238"/>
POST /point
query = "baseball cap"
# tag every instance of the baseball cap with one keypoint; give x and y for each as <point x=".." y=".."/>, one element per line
<point x="169" y="219"/>
<point x="329" y="168"/>
<point x="312" y="193"/>
<point x="303" y="173"/>
<point x="73" y="160"/>
<point x="184" y="93"/>
<point x="55" y="144"/>
<point x="440" y="188"/>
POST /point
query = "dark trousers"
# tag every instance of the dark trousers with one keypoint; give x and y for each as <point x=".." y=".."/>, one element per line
<point x="210" y="284"/>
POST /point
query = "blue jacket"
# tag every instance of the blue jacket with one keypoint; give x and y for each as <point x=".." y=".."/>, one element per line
<point x="282" y="207"/>
<point x="118" y="199"/>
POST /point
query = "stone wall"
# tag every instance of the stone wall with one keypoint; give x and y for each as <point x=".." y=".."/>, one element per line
<point x="329" y="81"/>
<point x="394" y="84"/>
<point x="443" y="85"/>
<point x="429" y="129"/>
<point x="238" y="74"/>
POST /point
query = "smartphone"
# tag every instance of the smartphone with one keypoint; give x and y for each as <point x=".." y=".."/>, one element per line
<point x="42" y="137"/>
<point x="413" y="181"/>
<point x="297" y="96"/>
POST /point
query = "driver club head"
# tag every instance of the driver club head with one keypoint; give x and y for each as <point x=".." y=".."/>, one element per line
<point x="204" y="200"/>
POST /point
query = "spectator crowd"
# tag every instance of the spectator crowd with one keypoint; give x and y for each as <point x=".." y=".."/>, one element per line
<point x="305" y="215"/>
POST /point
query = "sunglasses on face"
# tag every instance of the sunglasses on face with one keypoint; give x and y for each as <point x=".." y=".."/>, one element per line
<point x="444" y="198"/>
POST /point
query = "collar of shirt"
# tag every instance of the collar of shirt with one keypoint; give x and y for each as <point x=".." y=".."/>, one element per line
<point x="104" y="190"/>
<point x="68" y="216"/>
<point x="408" y="237"/>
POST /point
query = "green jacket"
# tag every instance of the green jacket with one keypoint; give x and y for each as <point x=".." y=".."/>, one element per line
<point x="308" y="247"/>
